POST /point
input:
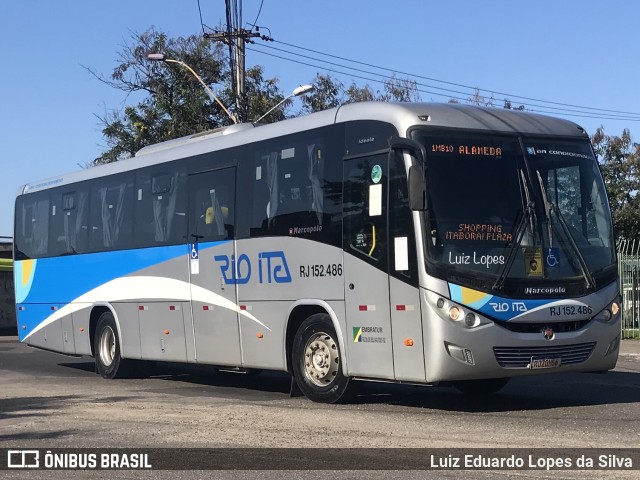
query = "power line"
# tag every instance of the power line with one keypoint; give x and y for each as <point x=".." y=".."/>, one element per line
<point x="493" y="92"/>
<point x="255" y="22"/>
<point x="384" y="79"/>
<point x="237" y="38"/>
<point x="450" y="91"/>
<point x="453" y="83"/>
<point x="200" y="13"/>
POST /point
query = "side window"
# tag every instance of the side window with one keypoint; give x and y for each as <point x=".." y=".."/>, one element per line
<point x="112" y="213"/>
<point x="57" y="243"/>
<point x="264" y="168"/>
<point x="160" y="205"/>
<point x="75" y="220"/>
<point x="296" y="187"/>
<point x="32" y="226"/>
<point x="403" y="262"/>
<point x="212" y="205"/>
<point x="289" y="192"/>
<point x="68" y="221"/>
<point x="365" y="209"/>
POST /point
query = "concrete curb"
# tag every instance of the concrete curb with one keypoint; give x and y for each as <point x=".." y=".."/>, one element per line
<point x="629" y="357"/>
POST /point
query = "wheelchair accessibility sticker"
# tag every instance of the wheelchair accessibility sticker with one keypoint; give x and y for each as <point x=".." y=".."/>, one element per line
<point x="552" y="257"/>
<point x="195" y="258"/>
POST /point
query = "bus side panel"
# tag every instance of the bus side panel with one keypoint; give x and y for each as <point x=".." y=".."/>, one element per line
<point x="282" y="270"/>
<point x="369" y="337"/>
<point x="81" y="329"/>
<point x="154" y="325"/>
<point x="68" y="334"/>
<point x="288" y="268"/>
<point x="48" y="336"/>
<point x="162" y="330"/>
<point x="262" y="330"/>
<point x="406" y="324"/>
<point x="213" y="331"/>
<point x="127" y="318"/>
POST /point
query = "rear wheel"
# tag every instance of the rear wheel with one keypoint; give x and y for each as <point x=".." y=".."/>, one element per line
<point x="481" y="387"/>
<point x="107" y="348"/>
<point x="317" y="361"/>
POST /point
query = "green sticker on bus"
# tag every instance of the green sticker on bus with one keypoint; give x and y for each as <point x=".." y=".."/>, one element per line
<point x="376" y="173"/>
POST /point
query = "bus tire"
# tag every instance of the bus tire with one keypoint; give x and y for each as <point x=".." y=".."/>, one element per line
<point x="317" y="361"/>
<point x="481" y="387"/>
<point x="109" y="363"/>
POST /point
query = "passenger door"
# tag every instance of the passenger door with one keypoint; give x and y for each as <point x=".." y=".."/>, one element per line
<point x="366" y="276"/>
<point x="212" y="199"/>
<point x="382" y="297"/>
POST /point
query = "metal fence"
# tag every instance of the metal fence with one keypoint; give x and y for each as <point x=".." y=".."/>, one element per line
<point x="629" y="268"/>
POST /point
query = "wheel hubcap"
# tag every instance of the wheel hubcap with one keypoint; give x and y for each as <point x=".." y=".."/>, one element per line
<point x="321" y="360"/>
<point x="107" y="347"/>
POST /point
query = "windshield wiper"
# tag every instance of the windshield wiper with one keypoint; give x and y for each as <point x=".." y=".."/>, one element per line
<point x="586" y="273"/>
<point x="550" y="207"/>
<point x="521" y="228"/>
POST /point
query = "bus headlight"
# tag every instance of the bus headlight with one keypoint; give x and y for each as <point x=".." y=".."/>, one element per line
<point x="611" y="312"/>
<point x="471" y="320"/>
<point x="452" y="312"/>
<point x="455" y="313"/>
<point x="615" y="307"/>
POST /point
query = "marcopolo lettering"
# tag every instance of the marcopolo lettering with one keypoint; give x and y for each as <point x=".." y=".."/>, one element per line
<point x="305" y="230"/>
<point x="544" y="290"/>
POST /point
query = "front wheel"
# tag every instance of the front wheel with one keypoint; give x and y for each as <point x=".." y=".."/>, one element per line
<point x="317" y="361"/>
<point x="107" y="349"/>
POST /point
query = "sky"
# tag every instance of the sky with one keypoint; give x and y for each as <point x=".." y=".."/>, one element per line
<point x="571" y="52"/>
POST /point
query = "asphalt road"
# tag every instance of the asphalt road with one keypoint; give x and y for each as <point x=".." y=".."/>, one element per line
<point x="51" y="401"/>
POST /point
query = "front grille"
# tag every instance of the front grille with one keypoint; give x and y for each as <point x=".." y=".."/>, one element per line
<point x="519" y="357"/>
<point x="535" y="327"/>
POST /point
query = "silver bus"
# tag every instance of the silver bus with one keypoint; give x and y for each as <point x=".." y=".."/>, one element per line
<point x="413" y="243"/>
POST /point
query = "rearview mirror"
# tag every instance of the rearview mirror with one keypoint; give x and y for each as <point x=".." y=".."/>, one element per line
<point x="417" y="188"/>
<point x="417" y="184"/>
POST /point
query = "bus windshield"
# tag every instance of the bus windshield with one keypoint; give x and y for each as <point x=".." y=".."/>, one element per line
<point x="499" y="213"/>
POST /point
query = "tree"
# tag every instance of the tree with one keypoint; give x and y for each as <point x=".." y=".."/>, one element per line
<point x="329" y="93"/>
<point x="399" y="90"/>
<point x="619" y="160"/>
<point x="175" y="103"/>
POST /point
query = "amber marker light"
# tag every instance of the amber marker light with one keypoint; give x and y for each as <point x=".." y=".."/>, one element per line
<point x="408" y="342"/>
<point x="259" y="335"/>
<point x="615" y="308"/>
<point x="454" y="313"/>
<point x="81" y="329"/>
<point x="166" y="332"/>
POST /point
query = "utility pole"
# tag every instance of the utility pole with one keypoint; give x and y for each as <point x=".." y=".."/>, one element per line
<point x="236" y="38"/>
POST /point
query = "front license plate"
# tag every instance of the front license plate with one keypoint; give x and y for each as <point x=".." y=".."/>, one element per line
<point x="545" y="363"/>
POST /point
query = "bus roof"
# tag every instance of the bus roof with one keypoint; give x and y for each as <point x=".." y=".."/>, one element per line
<point x="401" y="115"/>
